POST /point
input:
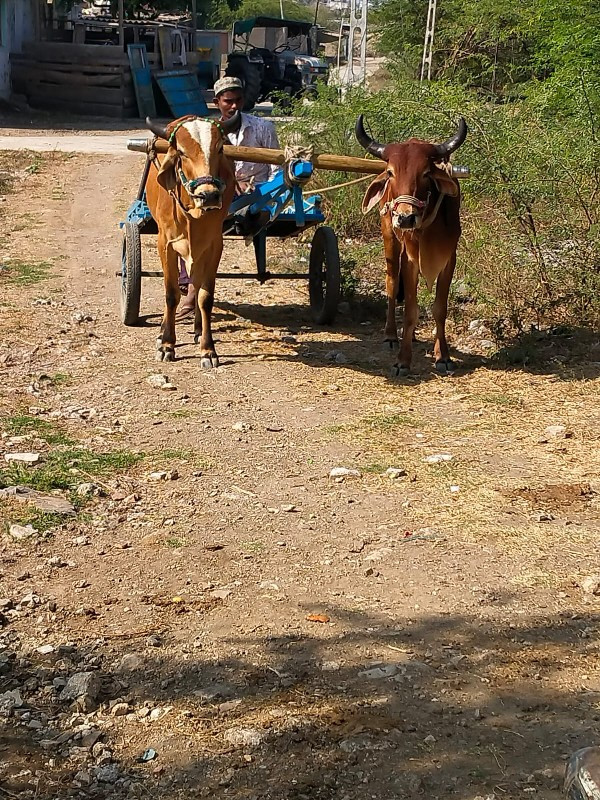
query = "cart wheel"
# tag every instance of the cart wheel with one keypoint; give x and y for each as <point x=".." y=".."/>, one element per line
<point x="131" y="275"/>
<point x="324" y="275"/>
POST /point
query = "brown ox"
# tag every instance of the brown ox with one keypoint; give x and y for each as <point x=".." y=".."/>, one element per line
<point x="189" y="193"/>
<point x="419" y="205"/>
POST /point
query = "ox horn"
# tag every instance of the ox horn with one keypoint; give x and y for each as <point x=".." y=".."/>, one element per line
<point x="370" y="145"/>
<point x="229" y="125"/>
<point x="454" y="142"/>
<point x="157" y="129"/>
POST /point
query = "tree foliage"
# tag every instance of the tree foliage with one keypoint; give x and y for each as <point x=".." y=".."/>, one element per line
<point x="530" y="252"/>
<point x="268" y="8"/>
<point x="222" y="13"/>
<point x="494" y="46"/>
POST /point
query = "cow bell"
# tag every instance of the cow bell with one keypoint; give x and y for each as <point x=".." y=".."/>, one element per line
<point x="459" y="171"/>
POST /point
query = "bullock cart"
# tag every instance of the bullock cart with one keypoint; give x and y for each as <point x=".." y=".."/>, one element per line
<point x="281" y="207"/>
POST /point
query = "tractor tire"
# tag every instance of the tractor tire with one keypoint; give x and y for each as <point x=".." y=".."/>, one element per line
<point x="249" y="75"/>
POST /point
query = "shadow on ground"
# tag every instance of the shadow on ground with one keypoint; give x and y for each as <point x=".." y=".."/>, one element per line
<point x="366" y="706"/>
<point x="37" y="119"/>
<point x="568" y="354"/>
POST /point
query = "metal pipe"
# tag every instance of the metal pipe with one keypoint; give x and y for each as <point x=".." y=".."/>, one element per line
<point x="194" y="23"/>
<point x="339" y="48"/>
<point x="144" y="178"/>
<point x="121" y="23"/>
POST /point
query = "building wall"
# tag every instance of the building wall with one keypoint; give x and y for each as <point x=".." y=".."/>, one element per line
<point x="16" y="26"/>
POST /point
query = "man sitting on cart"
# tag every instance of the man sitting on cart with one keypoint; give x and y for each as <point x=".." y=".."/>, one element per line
<point x="252" y="132"/>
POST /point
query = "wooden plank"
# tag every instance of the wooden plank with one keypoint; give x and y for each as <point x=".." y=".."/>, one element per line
<point x="105" y="69"/>
<point x="79" y="33"/>
<point x="80" y="94"/>
<point x="27" y="88"/>
<point x="75" y="63"/>
<point x="166" y="50"/>
<point x="32" y="75"/>
<point x="182" y="92"/>
<point x="96" y="109"/>
<point x="64" y="52"/>
<point x="142" y="80"/>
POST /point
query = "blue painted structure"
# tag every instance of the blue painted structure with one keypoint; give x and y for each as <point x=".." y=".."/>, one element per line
<point x="142" y="79"/>
<point x="281" y="198"/>
<point x="182" y="92"/>
<point x="274" y="208"/>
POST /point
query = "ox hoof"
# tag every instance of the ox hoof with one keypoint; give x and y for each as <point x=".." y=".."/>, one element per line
<point x="391" y="343"/>
<point x="165" y="355"/>
<point x="399" y="371"/>
<point x="209" y="362"/>
<point x="445" y="367"/>
<point x="197" y="337"/>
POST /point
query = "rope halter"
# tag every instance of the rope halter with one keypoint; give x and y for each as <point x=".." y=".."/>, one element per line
<point x="408" y="199"/>
<point x="391" y="207"/>
<point x="191" y="185"/>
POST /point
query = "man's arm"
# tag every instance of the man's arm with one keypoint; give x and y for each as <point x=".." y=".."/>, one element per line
<point x="270" y="141"/>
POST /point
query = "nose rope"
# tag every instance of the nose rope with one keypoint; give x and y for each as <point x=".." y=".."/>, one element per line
<point x="191" y="185"/>
<point x="393" y="204"/>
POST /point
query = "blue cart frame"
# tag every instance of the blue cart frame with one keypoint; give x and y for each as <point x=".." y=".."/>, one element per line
<point x="276" y="208"/>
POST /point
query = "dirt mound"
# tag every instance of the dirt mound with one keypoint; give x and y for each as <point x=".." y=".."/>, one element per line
<point x="556" y="495"/>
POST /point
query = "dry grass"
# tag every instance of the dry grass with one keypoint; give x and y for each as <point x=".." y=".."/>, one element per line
<point x="493" y="424"/>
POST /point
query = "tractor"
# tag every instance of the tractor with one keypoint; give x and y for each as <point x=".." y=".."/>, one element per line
<point x="274" y="58"/>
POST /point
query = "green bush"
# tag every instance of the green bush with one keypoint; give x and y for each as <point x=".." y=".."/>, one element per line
<point x="531" y="248"/>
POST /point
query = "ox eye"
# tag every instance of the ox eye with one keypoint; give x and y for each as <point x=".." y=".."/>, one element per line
<point x="390" y="174"/>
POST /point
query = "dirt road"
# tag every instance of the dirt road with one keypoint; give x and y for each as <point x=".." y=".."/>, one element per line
<point x="106" y="144"/>
<point x="248" y="626"/>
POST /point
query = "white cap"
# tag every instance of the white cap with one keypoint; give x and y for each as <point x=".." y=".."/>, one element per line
<point x="226" y="84"/>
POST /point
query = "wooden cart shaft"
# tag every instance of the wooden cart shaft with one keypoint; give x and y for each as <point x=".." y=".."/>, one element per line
<point x="260" y="155"/>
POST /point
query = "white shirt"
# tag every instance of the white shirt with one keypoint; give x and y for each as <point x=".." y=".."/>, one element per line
<point x="255" y="132"/>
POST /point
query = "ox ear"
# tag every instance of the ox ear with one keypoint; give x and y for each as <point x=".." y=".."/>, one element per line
<point x="166" y="174"/>
<point x="375" y="192"/>
<point x="444" y="182"/>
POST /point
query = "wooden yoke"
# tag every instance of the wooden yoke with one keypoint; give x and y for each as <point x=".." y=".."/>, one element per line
<point x="260" y="155"/>
<point x="319" y="160"/>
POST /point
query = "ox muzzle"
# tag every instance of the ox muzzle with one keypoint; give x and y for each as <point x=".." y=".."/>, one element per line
<point x="406" y="211"/>
<point x="205" y="192"/>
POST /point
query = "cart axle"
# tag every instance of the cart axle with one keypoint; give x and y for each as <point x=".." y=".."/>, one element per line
<point x="265" y="276"/>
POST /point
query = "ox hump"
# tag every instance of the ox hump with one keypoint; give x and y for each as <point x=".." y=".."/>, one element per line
<point x="201" y="132"/>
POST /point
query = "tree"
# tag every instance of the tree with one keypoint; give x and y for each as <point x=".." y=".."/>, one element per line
<point x="493" y="45"/>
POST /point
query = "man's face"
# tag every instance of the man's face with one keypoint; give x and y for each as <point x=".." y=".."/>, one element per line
<point x="229" y="102"/>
